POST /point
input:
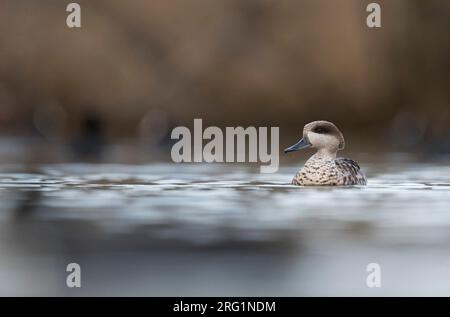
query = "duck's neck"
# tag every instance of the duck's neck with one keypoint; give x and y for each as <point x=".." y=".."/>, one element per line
<point x="325" y="154"/>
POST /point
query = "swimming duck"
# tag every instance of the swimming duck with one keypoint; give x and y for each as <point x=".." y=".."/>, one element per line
<point x="323" y="168"/>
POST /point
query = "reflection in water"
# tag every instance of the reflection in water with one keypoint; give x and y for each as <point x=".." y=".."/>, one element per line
<point x="220" y="230"/>
<point x="89" y="144"/>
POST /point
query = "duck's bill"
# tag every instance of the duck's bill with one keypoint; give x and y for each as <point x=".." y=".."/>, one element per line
<point x="302" y="144"/>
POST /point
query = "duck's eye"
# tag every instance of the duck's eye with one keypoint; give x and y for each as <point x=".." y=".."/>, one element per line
<point x="319" y="130"/>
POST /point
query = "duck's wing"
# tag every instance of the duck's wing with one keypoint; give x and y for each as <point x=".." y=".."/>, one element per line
<point x="351" y="171"/>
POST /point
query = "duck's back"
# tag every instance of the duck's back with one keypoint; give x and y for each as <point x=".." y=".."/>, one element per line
<point x="350" y="171"/>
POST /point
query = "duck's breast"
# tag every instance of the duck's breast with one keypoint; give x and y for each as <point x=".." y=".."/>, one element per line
<point x="318" y="172"/>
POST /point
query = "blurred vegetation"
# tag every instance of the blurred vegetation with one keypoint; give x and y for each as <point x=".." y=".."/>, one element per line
<point x="140" y="67"/>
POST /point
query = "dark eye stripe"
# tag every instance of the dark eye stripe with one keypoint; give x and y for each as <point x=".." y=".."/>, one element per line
<point x="320" y="130"/>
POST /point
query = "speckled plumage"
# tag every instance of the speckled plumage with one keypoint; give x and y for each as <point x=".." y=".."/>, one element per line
<point x="322" y="170"/>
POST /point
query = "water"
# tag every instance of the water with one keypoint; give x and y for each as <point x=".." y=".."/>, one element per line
<point x="180" y="230"/>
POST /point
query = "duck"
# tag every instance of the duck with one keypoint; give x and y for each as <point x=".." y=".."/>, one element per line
<point x="324" y="168"/>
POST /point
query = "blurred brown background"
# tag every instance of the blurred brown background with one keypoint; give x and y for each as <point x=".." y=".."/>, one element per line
<point x="138" y="68"/>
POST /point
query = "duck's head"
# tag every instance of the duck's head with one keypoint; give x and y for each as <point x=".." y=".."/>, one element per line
<point x="322" y="135"/>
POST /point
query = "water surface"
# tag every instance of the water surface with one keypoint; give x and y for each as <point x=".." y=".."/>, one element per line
<point x="168" y="229"/>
